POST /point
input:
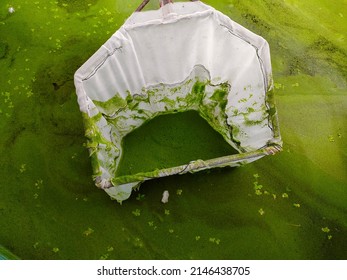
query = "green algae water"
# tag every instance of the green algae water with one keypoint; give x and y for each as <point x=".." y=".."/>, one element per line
<point x="171" y="140"/>
<point x="290" y="206"/>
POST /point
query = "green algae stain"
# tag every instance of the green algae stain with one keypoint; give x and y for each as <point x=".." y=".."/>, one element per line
<point x="171" y="140"/>
<point x="121" y="115"/>
<point x="220" y="95"/>
<point x="199" y="87"/>
<point x="115" y="104"/>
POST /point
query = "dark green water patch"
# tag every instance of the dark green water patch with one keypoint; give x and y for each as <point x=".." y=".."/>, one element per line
<point x="304" y="48"/>
<point x="54" y="82"/>
<point x="255" y="20"/>
<point x="319" y="57"/>
<point x="3" y="50"/>
<point x="171" y="140"/>
<point x="76" y="5"/>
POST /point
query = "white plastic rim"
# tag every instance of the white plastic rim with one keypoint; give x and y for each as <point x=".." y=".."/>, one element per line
<point x="150" y="66"/>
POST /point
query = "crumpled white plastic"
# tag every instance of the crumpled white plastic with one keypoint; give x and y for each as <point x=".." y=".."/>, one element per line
<point x="159" y="56"/>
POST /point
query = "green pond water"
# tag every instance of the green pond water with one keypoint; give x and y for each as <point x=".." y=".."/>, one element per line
<point x="171" y="140"/>
<point x="289" y="206"/>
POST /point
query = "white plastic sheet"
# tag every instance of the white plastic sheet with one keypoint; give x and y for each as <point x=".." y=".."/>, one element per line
<point x="152" y="65"/>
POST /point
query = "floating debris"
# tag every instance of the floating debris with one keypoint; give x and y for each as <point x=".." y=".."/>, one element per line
<point x="285" y="195"/>
<point x="258" y="192"/>
<point x="136" y="212"/>
<point x="278" y="86"/>
<point x="295" y="225"/>
<point x="88" y="232"/>
<point x="55" y="250"/>
<point x="104" y="257"/>
<point x="179" y="192"/>
<point x="167" y="212"/>
<point x="11" y="10"/>
<point x="140" y="197"/>
<point x="165" y="198"/>
<point x="151" y="223"/>
<point x="261" y="211"/>
<point x="257" y="188"/>
<point x="39" y="183"/>
<point x="23" y="168"/>
<point x="214" y="240"/>
<point x="297" y="205"/>
<point x="326" y="229"/>
<point x="138" y="242"/>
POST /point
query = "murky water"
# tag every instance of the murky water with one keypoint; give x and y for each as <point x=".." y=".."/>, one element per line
<point x="171" y="140"/>
<point x="290" y="206"/>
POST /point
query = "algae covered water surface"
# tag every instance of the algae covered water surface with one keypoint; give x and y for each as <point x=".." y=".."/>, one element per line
<point x="171" y="140"/>
<point x="290" y="206"/>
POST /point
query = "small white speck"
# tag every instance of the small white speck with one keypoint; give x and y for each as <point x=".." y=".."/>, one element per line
<point x="11" y="10"/>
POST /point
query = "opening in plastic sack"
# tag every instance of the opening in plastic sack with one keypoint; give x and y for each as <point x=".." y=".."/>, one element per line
<point x="183" y="57"/>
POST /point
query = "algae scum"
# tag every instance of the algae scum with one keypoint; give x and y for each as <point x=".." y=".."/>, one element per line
<point x="171" y="140"/>
<point x="291" y="206"/>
